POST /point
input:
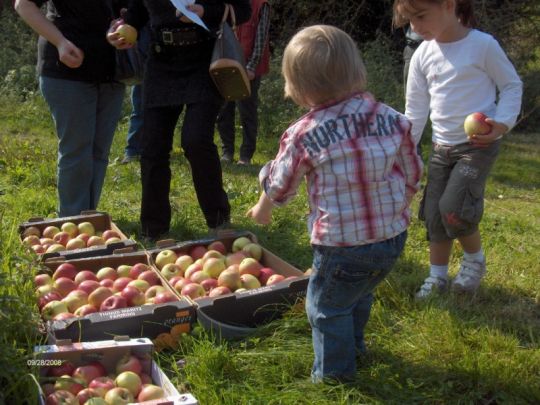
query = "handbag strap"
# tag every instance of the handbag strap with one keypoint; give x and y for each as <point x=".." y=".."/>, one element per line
<point x="229" y="9"/>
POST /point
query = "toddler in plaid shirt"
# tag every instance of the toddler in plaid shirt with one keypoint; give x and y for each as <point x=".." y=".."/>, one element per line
<point x="362" y="170"/>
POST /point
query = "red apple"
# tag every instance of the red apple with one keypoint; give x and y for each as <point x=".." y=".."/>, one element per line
<point x="150" y="277"/>
<point x="219" y="246"/>
<point x="42" y="279"/>
<point x="265" y="274"/>
<point x="90" y="371"/>
<point x="61" y="238"/>
<point x="274" y="279"/>
<point x="85" y="310"/>
<point x="230" y="278"/>
<point x="62" y="398"/>
<point x="113" y="302"/>
<point x="107" y="282"/>
<point x="209" y="284"/>
<point x="150" y="391"/>
<point x="66" y="368"/>
<point x="88" y="286"/>
<point x="109" y="233"/>
<point x="197" y="252"/>
<point x="100" y="294"/>
<point x="199" y="276"/>
<point x="38" y="249"/>
<point x="234" y="258"/>
<point x="475" y="123"/>
<point x="84" y="237"/>
<point x="129" y="362"/>
<point x="154" y="290"/>
<point x="164" y="297"/>
<point x="137" y="269"/>
<point x="121" y="283"/>
<point x="102" y="385"/>
<point x="192" y="268"/>
<point x="193" y="290"/>
<point x="48" y="297"/>
<point x="219" y="290"/>
<point x="84" y="395"/>
<point x="85" y="275"/>
<point x="65" y="270"/>
<point x="180" y="284"/>
<point x="134" y="297"/>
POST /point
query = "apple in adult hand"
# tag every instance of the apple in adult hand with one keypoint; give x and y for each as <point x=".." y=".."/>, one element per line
<point x="130" y="381"/>
<point x="43" y="279"/>
<point x="53" y="308"/>
<point x="134" y="297"/>
<point x="90" y="372"/>
<point x="239" y="243"/>
<point x="69" y="383"/>
<point x="99" y="295"/>
<point x="106" y="273"/>
<point x="165" y="257"/>
<point x="249" y="281"/>
<point x="150" y="391"/>
<point x="475" y="123"/>
<point x="85" y="310"/>
<point x="62" y="398"/>
<point x="127" y="32"/>
<point x="85" y="275"/>
<point x="70" y="228"/>
<point x="87" y="393"/>
<point x="102" y="385"/>
<point x="87" y="228"/>
<point x="65" y="270"/>
<point x="171" y="270"/>
<point x="113" y="302"/>
<point x="119" y="396"/>
<point x="193" y="290"/>
<point x="50" y="231"/>
<point x="129" y="362"/>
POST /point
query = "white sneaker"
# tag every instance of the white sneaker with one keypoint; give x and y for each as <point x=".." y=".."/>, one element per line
<point x="431" y="285"/>
<point x="469" y="276"/>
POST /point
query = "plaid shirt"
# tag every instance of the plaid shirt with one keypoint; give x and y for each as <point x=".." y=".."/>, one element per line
<point x="260" y="38"/>
<point x="361" y="167"/>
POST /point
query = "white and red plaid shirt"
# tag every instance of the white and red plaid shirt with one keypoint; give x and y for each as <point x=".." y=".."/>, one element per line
<point x="361" y="167"/>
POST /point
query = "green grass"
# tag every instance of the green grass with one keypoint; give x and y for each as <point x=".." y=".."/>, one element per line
<point x="451" y="349"/>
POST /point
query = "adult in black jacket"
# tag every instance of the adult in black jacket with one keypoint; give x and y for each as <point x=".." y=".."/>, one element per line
<point x="76" y="67"/>
<point x="176" y="77"/>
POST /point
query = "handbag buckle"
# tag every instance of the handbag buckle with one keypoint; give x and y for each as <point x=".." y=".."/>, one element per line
<point x="167" y="37"/>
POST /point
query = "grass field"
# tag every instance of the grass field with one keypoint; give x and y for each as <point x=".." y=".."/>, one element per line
<point x="482" y="349"/>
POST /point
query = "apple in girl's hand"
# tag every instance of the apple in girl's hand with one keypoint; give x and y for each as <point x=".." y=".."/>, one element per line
<point x="475" y="123"/>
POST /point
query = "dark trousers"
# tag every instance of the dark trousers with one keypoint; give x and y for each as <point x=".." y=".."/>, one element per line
<point x="197" y="140"/>
<point x="249" y="120"/>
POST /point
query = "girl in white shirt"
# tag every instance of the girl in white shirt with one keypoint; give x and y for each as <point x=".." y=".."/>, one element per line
<point x="456" y="71"/>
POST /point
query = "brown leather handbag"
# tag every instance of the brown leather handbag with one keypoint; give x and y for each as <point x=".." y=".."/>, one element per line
<point x="227" y="67"/>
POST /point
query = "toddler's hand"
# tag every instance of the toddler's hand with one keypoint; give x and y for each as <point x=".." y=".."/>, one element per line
<point x="497" y="131"/>
<point x="259" y="215"/>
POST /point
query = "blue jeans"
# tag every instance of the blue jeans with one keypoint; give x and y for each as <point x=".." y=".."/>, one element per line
<point x="85" y="115"/>
<point x="339" y="299"/>
<point x="134" y="135"/>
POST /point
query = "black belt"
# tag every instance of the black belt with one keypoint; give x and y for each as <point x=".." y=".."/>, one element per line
<point x="180" y="37"/>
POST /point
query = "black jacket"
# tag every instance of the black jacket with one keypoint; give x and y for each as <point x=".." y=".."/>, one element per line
<point x="179" y="74"/>
<point x="85" y="23"/>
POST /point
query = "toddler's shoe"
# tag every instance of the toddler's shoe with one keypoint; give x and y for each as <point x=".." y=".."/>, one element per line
<point x="469" y="276"/>
<point x="431" y="285"/>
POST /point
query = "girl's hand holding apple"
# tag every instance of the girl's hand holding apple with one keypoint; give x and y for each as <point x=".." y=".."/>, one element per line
<point x="497" y="131"/>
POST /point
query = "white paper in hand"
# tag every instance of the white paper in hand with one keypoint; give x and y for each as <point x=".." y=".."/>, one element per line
<point x="181" y="6"/>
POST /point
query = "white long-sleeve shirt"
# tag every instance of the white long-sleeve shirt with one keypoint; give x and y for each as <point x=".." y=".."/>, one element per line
<point x="448" y="81"/>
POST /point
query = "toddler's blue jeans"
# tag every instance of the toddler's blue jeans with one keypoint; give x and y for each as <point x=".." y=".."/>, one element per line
<point x="339" y="299"/>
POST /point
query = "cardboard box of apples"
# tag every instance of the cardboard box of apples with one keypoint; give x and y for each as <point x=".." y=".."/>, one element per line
<point x="89" y="234"/>
<point x="101" y="297"/>
<point x="103" y="373"/>
<point x="235" y="283"/>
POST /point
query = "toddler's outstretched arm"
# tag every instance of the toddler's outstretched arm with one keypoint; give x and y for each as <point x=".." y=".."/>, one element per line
<point x="262" y="211"/>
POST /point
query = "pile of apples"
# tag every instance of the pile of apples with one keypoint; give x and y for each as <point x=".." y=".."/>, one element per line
<point x="71" y="292"/>
<point x="212" y="271"/>
<point x="69" y="236"/>
<point x="91" y="384"/>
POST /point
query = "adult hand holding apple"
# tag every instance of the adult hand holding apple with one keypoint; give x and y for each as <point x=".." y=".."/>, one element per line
<point x="483" y="130"/>
<point x="121" y="35"/>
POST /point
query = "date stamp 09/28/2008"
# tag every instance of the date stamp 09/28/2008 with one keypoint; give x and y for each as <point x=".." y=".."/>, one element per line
<point x="44" y="362"/>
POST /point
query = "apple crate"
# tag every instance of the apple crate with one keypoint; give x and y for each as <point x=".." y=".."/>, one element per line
<point x="163" y="322"/>
<point x="64" y="357"/>
<point x="238" y="314"/>
<point x="101" y="222"/>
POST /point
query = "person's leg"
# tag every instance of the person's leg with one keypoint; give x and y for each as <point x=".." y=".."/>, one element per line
<point x="225" y="125"/>
<point x="132" y="149"/>
<point x="73" y="107"/>
<point x="440" y="244"/>
<point x="202" y="154"/>
<point x="462" y="206"/>
<point x="250" y="122"/>
<point x="108" y="111"/>
<point x="156" y="146"/>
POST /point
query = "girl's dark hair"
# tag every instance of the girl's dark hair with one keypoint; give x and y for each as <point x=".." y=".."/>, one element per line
<point x="464" y="11"/>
